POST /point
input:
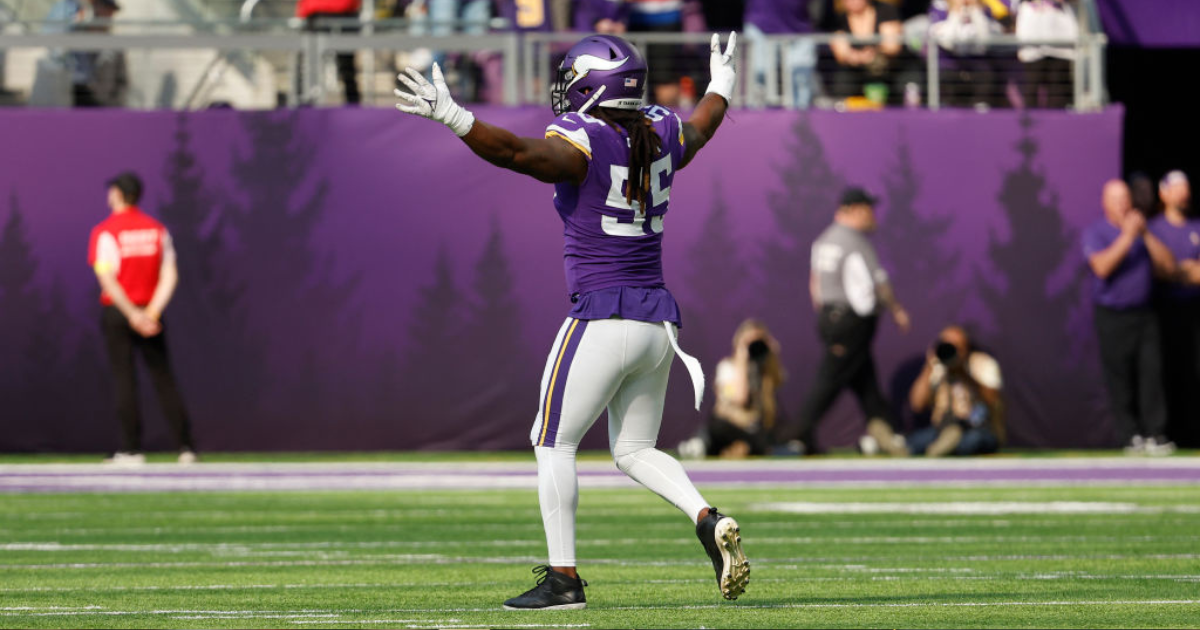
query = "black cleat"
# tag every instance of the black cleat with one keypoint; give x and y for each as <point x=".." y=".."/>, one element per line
<point x="554" y="591"/>
<point x="722" y="539"/>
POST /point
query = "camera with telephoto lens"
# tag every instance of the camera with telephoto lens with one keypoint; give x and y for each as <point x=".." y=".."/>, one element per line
<point x="758" y="350"/>
<point x="947" y="354"/>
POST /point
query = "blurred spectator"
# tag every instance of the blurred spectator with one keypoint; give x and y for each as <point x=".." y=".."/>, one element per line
<point x="541" y="16"/>
<point x="98" y="78"/>
<point x="746" y="410"/>
<point x="1047" y="77"/>
<point x="849" y="289"/>
<point x="960" y="387"/>
<point x="860" y="65"/>
<point x="660" y="16"/>
<point x="781" y="17"/>
<point x="134" y="262"/>
<point x="1124" y="257"/>
<point x="522" y="16"/>
<point x="607" y="17"/>
<point x="618" y="17"/>
<point x="1178" y="306"/>
<point x="961" y="29"/>
<point x="311" y="11"/>
<point x="1143" y="194"/>
<point x="722" y="16"/>
<point x="6" y="15"/>
<point x="440" y="18"/>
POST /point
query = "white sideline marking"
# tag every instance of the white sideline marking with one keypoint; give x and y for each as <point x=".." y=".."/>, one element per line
<point x="989" y="508"/>
<point x="300" y="614"/>
<point x="243" y="549"/>
<point x="905" y="574"/>
<point x="389" y="559"/>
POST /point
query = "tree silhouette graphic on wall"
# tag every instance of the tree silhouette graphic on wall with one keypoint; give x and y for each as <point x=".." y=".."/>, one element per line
<point x="913" y="249"/>
<point x="56" y="375"/>
<point x="435" y="355"/>
<point x="1034" y="335"/>
<point x="212" y="349"/>
<point x="467" y="356"/>
<point x="22" y="307"/>
<point x="500" y="374"/>
<point x="272" y="220"/>
<point x="714" y="300"/>
<point x="802" y="208"/>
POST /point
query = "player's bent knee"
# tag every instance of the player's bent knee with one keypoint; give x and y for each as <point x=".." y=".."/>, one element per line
<point x="627" y="457"/>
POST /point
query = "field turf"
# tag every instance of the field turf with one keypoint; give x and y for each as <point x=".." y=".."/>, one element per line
<point x="922" y="556"/>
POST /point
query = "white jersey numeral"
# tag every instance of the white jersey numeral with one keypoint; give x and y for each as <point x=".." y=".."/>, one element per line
<point x="616" y="199"/>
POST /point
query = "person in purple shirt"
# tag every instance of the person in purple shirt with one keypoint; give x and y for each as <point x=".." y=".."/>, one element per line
<point x="612" y="161"/>
<point x="1124" y="257"/>
<point x="1178" y="305"/>
<point x="778" y="17"/>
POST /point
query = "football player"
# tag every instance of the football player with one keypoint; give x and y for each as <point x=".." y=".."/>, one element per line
<point x="612" y="160"/>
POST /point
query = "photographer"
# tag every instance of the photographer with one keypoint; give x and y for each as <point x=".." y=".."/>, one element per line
<point x="961" y="387"/>
<point x="746" y="410"/>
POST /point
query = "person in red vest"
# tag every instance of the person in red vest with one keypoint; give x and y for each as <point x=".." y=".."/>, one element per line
<point x="134" y="262"/>
<point x="310" y="11"/>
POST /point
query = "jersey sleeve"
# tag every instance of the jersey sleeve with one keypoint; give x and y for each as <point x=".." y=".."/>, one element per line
<point x="678" y="144"/>
<point x="168" y="248"/>
<point x="879" y="275"/>
<point x="572" y="127"/>
<point x="104" y="255"/>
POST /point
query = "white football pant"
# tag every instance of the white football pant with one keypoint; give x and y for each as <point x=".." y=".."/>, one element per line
<point x="622" y="365"/>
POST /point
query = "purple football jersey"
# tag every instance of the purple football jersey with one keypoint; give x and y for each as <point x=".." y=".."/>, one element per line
<point x="611" y="247"/>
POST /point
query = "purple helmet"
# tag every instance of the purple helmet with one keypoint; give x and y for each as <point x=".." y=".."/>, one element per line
<point x="603" y="71"/>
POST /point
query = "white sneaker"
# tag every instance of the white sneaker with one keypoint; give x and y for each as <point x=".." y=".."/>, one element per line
<point x="1160" y="447"/>
<point x="1137" y="446"/>
<point x="868" y="445"/>
<point x="122" y="459"/>
<point x="187" y="458"/>
<point x="692" y="448"/>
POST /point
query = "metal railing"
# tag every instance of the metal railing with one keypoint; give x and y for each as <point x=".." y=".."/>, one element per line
<point x="769" y="71"/>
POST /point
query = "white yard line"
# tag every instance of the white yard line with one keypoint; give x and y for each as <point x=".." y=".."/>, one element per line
<point x="989" y="508"/>
<point x="304" y="548"/>
<point x="324" y="615"/>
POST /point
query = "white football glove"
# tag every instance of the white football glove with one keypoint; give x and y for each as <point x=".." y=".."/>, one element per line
<point x="433" y="101"/>
<point x="721" y="65"/>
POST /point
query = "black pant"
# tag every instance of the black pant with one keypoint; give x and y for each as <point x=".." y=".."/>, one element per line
<point x="845" y="363"/>
<point x="1131" y="355"/>
<point x="1051" y="75"/>
<point x="122" y="341"/>
<point x="723" y="433"/>
<point x="347" y="73"/>
<point x="1179" y="323"/>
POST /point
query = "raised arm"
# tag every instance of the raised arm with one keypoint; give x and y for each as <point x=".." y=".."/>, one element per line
<point x="709" y="113"/>
<point x="549" y="160"/>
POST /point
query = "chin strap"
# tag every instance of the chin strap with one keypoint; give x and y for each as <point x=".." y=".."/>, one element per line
<point x="592" y="101"/>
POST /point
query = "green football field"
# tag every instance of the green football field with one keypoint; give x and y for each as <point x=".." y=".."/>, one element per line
<point x="1040" y="554"/>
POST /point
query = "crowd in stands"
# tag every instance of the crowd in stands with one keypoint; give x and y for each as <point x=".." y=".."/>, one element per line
<point x="878" y="57"/>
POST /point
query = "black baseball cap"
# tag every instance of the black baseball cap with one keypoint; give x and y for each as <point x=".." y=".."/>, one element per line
<point x="855" y="195"/>
<point x="112" y="4"/>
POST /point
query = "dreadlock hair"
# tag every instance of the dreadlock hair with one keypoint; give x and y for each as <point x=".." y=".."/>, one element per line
<point x="644" y="146"/>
